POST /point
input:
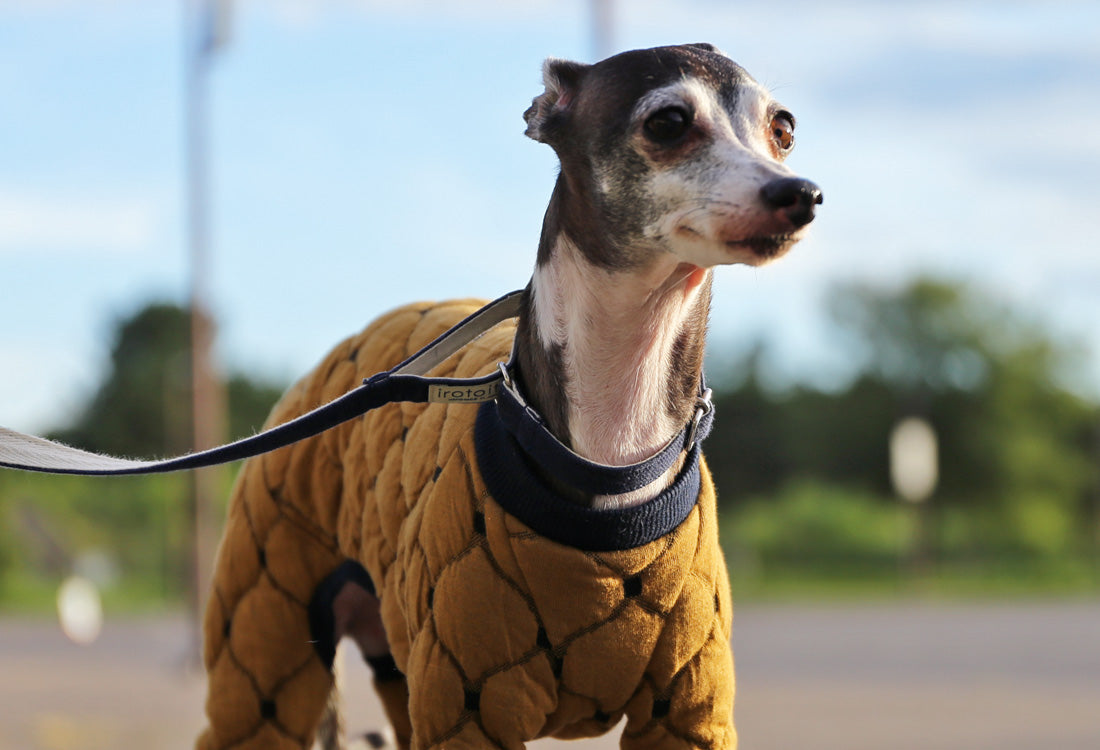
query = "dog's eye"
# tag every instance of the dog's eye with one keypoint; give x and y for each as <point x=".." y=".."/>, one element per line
<point x="782" y="128"/>
<point x="668" y="124"/>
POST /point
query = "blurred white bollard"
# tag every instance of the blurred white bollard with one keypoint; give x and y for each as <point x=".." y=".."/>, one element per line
<point x="79" y="610"/>
<point x="914" y="459"/>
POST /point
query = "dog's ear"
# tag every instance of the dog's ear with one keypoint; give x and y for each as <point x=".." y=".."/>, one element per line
<point x="562" y="79"/>
<point x="708" y="47"/>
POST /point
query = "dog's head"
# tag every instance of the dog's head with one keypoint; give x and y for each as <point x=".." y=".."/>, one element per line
<point x="672" y="149"/>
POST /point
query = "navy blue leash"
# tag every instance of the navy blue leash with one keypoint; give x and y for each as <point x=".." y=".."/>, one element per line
<point x="405" y="382"/>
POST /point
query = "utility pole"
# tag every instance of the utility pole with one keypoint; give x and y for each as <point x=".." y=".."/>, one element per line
<point x="205" y="33"/>
<point x="603" y="43"/>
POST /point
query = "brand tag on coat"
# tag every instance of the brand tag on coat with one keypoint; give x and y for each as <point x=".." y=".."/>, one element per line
<point x="462" y="394"/>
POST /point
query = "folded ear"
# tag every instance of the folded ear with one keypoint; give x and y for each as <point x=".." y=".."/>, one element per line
<point x="562" y="79"/>
<point x="708" y="47"/>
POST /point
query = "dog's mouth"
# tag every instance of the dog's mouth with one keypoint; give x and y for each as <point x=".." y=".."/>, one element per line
<point x="766" y="246"/>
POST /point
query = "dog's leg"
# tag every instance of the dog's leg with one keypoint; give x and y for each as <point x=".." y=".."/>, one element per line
<point x="330" y="732"/>
<point x="393" y="692"/>
<point x="687" y="696"/>
<point x="691" y="707"/>
<point x="267" y="686"/>
<point x="345" y="604"/>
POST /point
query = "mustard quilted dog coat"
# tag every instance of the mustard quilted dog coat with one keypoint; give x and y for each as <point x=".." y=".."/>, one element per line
<point x="504" y="631"/>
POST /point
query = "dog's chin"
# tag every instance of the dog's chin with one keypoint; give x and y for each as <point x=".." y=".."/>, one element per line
<point x="761" y="249"/>
<point x="709" y="251"/>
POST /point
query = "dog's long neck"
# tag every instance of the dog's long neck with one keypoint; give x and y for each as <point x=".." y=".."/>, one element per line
<point x="611" y="357"/>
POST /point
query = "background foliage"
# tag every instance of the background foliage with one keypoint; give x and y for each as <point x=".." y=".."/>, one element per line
<point x="803" y="473"/>
<point x="130" y="533"/>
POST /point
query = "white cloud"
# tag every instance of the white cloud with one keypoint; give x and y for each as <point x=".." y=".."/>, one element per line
<point x="74" y="224"/>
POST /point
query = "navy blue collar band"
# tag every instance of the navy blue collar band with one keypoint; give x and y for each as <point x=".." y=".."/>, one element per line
<point x="512" y="481"/>
<point x="529" y="429"/>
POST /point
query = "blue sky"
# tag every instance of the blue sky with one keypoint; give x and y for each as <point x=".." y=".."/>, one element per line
<point x="367" y="153"/>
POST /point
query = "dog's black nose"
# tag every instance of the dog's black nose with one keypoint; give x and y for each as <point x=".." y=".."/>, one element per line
<point x="793" y="196"/>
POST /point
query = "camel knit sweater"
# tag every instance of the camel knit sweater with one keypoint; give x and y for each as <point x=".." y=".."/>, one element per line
<point x="504" y="634"/>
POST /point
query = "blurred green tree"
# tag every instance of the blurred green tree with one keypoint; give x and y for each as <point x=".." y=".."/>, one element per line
<point x="142" y="406"/>
<point x="991" y="380"/>
<point x="1018" y="469"/>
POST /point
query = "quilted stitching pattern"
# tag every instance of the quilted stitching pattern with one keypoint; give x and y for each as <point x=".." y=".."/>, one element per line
<point x="504" y="634"/>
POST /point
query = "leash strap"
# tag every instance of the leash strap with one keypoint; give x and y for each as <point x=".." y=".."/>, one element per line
<point x="405" y="382"/>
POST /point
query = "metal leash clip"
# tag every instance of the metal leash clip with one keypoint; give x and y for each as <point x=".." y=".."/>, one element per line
<point x="703" y="406"/>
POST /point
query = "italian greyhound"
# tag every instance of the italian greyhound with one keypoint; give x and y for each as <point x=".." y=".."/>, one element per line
<point x="672" y="163"/>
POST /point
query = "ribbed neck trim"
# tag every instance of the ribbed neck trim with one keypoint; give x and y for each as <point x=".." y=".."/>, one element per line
<point x="517" y="487"/>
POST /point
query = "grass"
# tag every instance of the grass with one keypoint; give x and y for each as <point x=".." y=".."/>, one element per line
<point x="34" y="595"/>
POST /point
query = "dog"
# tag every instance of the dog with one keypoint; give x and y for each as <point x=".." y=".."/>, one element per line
<point x="497" y="597"/>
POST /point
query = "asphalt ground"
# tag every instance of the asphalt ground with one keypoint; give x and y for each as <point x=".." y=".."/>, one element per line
<point x="859" y="677"/>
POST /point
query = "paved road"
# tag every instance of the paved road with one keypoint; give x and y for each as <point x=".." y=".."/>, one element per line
<point x="874" y="677"/>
